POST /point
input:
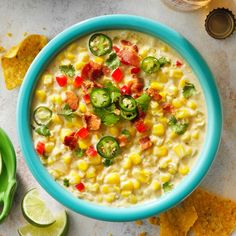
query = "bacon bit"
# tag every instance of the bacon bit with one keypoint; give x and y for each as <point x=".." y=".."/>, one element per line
<point x="106" y="71"/>
<point x="92" y="70"/>
<point x="145" y="143"/>
<point x="123" y="140"/>
<point x="80" y="187"/>
<point x="167" y="108"/>
<point x="135" y="70"/>
<point x="140" y="126"/>
<point x="71" y="141"/>
<point x="129" y="56"/>
<point x="178" y="63"/>
<point x="116" y="49"/>
<point x="136" y="85"/>
<point x="91" y="152"/>
<point x="72" y="100"/>
<point x="40" y="148"/>
<point x="86" y="98"/>
<point x="153" y="93"/>
<point x="126" y="42"/>
<point x="92" y="121"/>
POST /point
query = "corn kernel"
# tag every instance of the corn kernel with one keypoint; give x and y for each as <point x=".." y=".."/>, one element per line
<point x="82" y="165"/>
<point x="116" y="189"/>
<point x="69" y="124"/>
<point x="162" y="77"/>
<point x="110" y="197"/>
<point x="85" y="57"/>
<point x="70" y="56"/>
<point x="176" y="73"/>
<point x="56" y="119"/>
<point x="163" y="120"/>
<point x="135" y="158"/>
<point x="95" y="160"/>
<point x="154" y="104"/>
<point x="105" y="189"/>
<point x="113" y="178"/>
<point x="64" y="132"/>
<point x="180" y="150"/>
<point x="79" y="65"/>
<point x="165" y="178"/>
<point x="47" y="79"/>
<point x="132" y="199"/>
<point x="156" y="185"/>
<point x="163" y="164"/>
<point x="78" y="123"/>
<point x="165" y="48"/>
<point x="114" y="131"/>
<point x="173" y="135"/>
<point x="195" y="134"/>
<point x="82" y="107"/>
<point x="91" y="172"/>
<point x="177" y="103"/>
<point x="182" y="83"/>
<point x="74" y="177"/>
<point x="67" y="159"/>
<point x="156" y="85"/>
<point x="83" y="144"/>
<point x="163" y="94"/>
<point x="52" y="139"/>
<point x="183" y="170"/>
<point x="127" y="164"/>
<point x="51" y="160"/>
<point x="172" y="169"/>
<point x="93" y="187"/>
<point x="183" y="113"/>
<point x="143" y="53"/>
<point x="183" y="100"/>
<point x="158" y="130"/>
<point x="136" y="184"/>
<point x="49" y="147"/>
<point x="186" y="137"/>
<point x="57" y="99"/>
<point x="192" y="105"/>
<point x="127" y="185"/>
<point x="99" y="60"/>
<point x="144" y="176"/>
<point x="161" y="151"/>
<point x="125" y="193"/>
<point x="148" y="123"/>
<point x="72" y="47"/>
<point x="173" y="90"/>
<point x="41" y="95"/>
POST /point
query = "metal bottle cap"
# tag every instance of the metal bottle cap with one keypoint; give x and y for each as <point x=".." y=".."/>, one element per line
<point x="220" y="23"/>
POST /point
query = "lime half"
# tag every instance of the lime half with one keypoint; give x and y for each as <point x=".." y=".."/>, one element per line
<point x="35" y="210"/>
<point x="59" y="228"/>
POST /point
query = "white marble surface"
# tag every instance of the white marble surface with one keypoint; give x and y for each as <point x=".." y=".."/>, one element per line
<point x="49" y="17"/>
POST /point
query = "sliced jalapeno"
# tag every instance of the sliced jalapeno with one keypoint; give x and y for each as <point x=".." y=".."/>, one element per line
<point x="100" y="44"/>
<point x="100" y="97"/>
<point x="127" y="103"/>
<point x="150" y="65"/>
<point x="108" y="147"/>
<point x="129" y="115"/>
<point x="42" y="115"/>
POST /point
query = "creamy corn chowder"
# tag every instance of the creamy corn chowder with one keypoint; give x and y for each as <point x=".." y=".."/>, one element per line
<point x="118" y="118"/>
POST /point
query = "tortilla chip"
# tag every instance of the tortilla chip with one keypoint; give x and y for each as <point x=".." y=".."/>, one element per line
<point x="216" y="215"/>
<point x="177" y="221"/>
<point x="17" y="60"/>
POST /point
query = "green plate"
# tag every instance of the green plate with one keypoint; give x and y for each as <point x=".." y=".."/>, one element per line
<point x="7" y="175"/>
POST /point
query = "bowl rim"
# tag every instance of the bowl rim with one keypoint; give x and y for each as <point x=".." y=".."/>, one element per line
<point x="203" y="74"/>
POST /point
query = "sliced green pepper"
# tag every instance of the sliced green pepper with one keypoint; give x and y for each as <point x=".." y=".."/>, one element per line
<point x="143" y="101"/>
<point x="42" y="115"/>
<point x="100" y="97"/>
<point x="108" y="147"/>
<point x="129" y="115"/>
<point x="127" y="103"/>
<point x="150" y="65"/>
<point x="100" y="44"/>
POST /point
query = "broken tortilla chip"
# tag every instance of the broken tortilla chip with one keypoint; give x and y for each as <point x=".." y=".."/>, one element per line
<point x="216" y="215"/>
<point x="17" y="60"/>
<point x="177" y="221"/>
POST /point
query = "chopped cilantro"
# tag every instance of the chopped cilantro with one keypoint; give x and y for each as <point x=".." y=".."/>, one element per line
<point x="167" y="187"/>
<point x="113" y="91"/>
<point x="107" y="162"/>
<point x="68" y="70"/>
<point x="43" y="130"/>
<point x="163" y="61"/>
<point x="67" y="113"/>
<point x="188" y="90"/>
<point x="79" y="152"/>
<point x="143" y="101"/>
<point x="178" y="127"/>
<point x="66" y="182"/>
<point x="126" y="133"/>
<point x="113" y="61"/>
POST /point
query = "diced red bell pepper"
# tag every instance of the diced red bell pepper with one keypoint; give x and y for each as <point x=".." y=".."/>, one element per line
<point x="116" y="49"/>
<point x="40" y="148"/>
<point x="135" y="70"/>
<point x="82" y="133"/>
<point x="140" y="126"/>
<point x="61" y="80"/>
<point x="80" y="187"/>
<point x="126" y="42"/>
<point x="78" y="81"/>
<point x="117" y="75"/>
<point x="125" y="90"/>
<point x="178" y="63"/>
<point x="91" y="152"/>
<point x="86" y="98"/>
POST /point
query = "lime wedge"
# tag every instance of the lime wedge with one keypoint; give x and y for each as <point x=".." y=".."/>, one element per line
<point x="35" y="210"/>
<point x="0" y="163"/>
<point x="59" y="228"/>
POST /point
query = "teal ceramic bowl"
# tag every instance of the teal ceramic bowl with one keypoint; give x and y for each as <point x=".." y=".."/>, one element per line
<point x="214" y="114"/>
